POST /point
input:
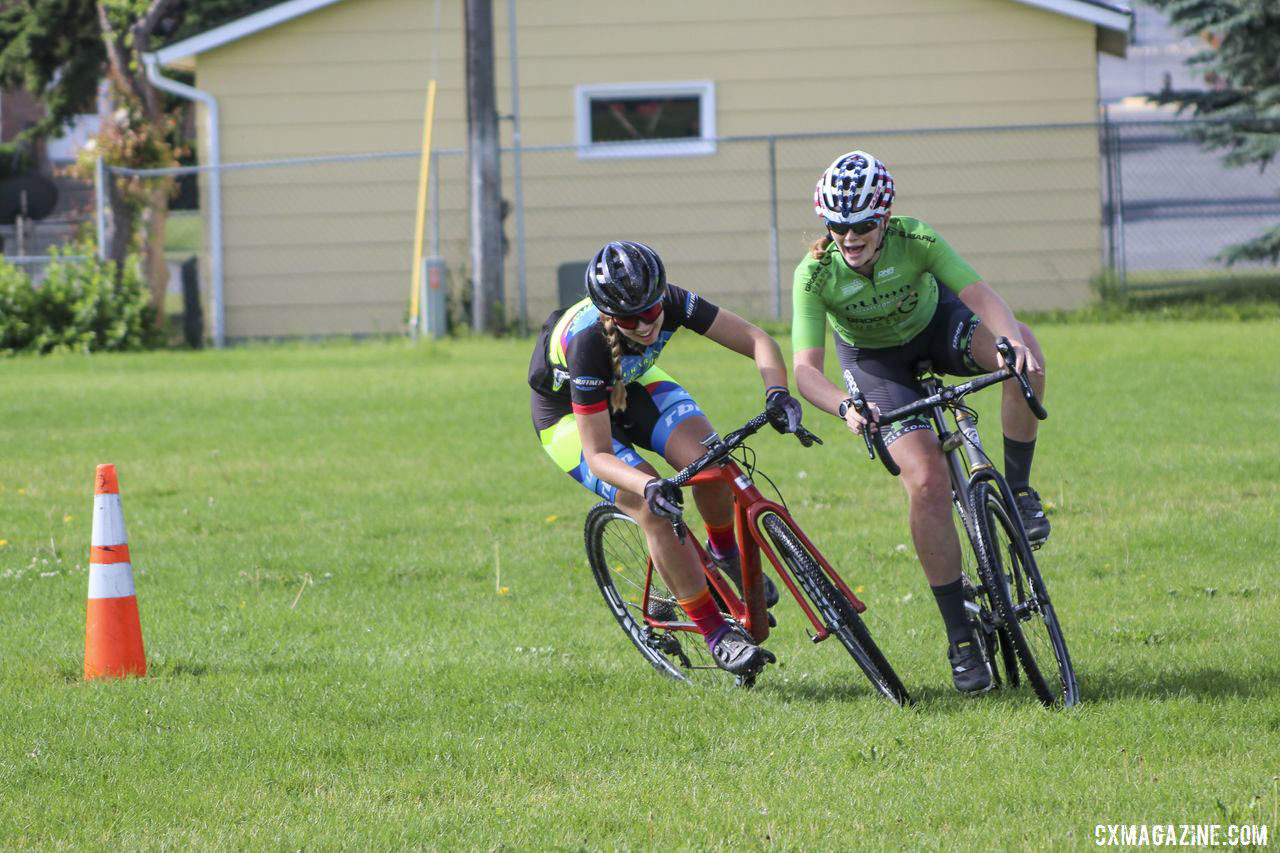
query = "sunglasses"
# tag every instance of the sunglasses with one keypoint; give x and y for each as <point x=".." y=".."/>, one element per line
<point x="866" y="226"/>
<point x="631" y="321"/>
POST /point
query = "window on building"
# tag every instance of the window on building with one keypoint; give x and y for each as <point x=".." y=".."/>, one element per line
<point x="646" y="120"/>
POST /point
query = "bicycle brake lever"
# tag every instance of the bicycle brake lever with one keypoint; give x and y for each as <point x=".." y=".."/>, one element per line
<point x="1006" y="353"/>
<point x="860" y="406"/>
<point x="679" y="528"/>
<point x="807" y="438"/>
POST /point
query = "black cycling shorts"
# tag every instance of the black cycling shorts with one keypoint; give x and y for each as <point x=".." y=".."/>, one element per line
<point x="888" y="376"/>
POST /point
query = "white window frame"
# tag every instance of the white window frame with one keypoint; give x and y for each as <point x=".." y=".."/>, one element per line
<point x="704" y="90"/>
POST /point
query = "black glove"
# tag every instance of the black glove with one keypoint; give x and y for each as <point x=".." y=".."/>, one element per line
<point x="664" y="498"/>
<point x="784" y="410"/>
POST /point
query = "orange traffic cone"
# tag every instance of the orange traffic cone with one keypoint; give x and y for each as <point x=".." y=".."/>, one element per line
<point x="112" y="634"/>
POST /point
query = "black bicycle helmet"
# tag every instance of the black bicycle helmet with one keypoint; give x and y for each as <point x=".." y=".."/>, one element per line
<point x="625" y="278"/>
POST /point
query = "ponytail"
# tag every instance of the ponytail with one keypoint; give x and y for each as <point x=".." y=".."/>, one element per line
<point x="819" y="247"/>
<point x="618" y="395"/>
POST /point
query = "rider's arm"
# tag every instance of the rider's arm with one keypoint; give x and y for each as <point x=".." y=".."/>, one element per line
<point x="732" y="332"/>
<point x="818" y="390"/>
<point x="813" y="383"/>
<point x="596" y="433"/>
<point x="996" y="314"/>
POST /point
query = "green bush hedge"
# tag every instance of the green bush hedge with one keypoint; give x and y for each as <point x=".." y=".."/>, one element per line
<point x="78" y="307"/>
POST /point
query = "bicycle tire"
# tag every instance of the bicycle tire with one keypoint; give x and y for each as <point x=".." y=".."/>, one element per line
<point x="997" y="647"/>
<point x="618" y="553"/>
<point x="1010" y="573"/>
<point x="837" y="611"/>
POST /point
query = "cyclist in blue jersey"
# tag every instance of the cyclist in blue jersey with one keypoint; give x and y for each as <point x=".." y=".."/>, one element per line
<point x="896" y="293"/>
<point x="597" y="395"/>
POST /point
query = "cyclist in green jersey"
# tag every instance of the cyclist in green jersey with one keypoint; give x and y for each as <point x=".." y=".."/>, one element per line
<point x="896" y="293"/>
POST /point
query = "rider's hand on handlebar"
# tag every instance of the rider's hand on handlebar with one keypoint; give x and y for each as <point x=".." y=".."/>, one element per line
<point x="1024" y="360"/>
<point x="664" y="498"/>
<point x="856" y="421"/>
<point x="783" y="409"/>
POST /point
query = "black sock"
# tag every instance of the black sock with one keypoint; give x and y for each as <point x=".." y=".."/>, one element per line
<point x="1017" y="462"/>
<point x="950" y="598"/>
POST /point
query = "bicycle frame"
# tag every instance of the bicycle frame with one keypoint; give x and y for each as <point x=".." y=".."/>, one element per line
<point x="748" y="506"/>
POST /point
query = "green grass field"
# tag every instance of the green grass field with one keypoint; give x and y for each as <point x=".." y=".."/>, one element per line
<point x="317" y="533"/>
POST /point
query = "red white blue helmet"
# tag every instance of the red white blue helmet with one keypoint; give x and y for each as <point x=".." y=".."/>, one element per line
<point x="855" y="187"/>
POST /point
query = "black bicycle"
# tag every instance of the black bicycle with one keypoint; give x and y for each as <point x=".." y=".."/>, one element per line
<point x="1010" y="602"/>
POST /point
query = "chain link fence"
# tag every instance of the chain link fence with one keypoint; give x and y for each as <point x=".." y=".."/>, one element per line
<point x="324" y="245"/>
<point x="1170" y="207"/>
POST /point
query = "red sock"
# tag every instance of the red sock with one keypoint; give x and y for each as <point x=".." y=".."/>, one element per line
<point x="722" y="541"/>
<point x="704" y="612"/>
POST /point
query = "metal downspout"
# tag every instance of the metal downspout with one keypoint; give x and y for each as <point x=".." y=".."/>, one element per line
<point x="214" y="164"/>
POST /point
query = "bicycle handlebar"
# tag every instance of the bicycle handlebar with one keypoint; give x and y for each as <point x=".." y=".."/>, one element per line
<point x="948" y="394"/>
<point x="719" y="449"/>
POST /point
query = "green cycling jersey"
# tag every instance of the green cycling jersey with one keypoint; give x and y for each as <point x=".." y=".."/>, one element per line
<point x="888" y="309"/>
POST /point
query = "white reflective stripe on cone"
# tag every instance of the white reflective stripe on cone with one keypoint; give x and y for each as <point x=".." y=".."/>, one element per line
<point x="110" y="580"/>
<point x="108" y="521"/>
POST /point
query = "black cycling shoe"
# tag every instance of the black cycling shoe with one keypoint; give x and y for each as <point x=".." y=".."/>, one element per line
<point x="970" y="670"/>
<point x="1034" y="520"/>
<point x="733" y="571"/>
<point x="734" y="652"/>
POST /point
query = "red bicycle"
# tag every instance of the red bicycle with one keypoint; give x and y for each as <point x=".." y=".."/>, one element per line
<point x="648" y="613"/>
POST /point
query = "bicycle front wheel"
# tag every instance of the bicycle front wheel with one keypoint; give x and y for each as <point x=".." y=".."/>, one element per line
<point x="836" y="610"/>
<point x="1011" y="576"/>
<point x="619" y="558"/>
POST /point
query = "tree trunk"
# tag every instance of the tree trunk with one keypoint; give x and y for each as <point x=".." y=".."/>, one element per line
<point x="154" y="264"/>
<point x="121" y="225"/>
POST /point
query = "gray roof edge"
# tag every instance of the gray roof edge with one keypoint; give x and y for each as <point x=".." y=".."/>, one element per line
<point x="1112" y="16"/>
<point x="238" y="29"/>
<point x="1099" y="12"/>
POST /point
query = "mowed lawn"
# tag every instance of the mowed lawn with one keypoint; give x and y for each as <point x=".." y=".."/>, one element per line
<point x="369" y="621"/>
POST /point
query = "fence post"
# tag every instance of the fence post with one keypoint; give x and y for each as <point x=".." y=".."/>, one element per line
<point x="774" y="273"/>
<point x="1121" y="261"/>
<point x="100" y="205"/>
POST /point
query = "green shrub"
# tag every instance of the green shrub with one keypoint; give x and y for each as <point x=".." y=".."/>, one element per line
<point x="16" y="306"/>
<point x="80" y="306"/>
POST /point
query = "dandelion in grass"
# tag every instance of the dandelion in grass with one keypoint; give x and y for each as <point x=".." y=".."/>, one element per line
<point x="3" y="542"/>
<point x="68" y="518"/>
<point x="551" y="519"/>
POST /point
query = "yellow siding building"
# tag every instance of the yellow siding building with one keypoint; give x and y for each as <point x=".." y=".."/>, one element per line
<point x="326" y="248"/>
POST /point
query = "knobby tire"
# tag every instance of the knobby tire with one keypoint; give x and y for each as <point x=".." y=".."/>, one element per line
<point x="1013" y="581"/>
<point x="836" y="610"/>
<point x="618" y="554"/>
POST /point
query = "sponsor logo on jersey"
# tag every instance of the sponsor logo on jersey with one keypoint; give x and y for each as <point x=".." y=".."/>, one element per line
<point x="690" y="303"/>
<point x="885" y="273"/>
<point x="586" y="383"/>
<point x="559" y="376"/>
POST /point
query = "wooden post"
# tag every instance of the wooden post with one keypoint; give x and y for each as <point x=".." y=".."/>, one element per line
<point x="483" y="169"/>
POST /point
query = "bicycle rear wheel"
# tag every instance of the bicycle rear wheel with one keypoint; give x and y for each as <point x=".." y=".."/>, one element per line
<point x="619" y="558"/>
<point x="836" y="610"/>
<point x="1010" y="573"/>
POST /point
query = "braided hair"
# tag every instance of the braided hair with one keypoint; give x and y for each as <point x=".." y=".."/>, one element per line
<point x="618" y="394"/>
